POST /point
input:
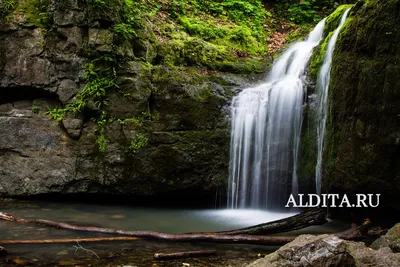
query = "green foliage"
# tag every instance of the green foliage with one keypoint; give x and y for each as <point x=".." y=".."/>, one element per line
<point x="125" y="30"/>
<point x="36" y="11"/>
<point x="239" y="37"/>
<point x="137" y="121"/>
<point x="6" y="7"/>
<point x="250" y="12"/>
<point x="56" y="114"/>
<point x="233" y="23"/>
<point x="36" y="109"/>
<point x="139" y="142"/>
<point x="98" y="3"/>
<point x="102" y="142"/>
<point x="206" y="30"/>
<point x="303" y="13"/>
<point x="307" y="12"/>
<point x="100" y="77"/>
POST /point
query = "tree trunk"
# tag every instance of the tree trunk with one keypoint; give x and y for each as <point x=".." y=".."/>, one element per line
<point x="307" y="218"/>
<point x="185" y="254"/>
<point x="354" y="233"/>
<point x="67" y="240"/>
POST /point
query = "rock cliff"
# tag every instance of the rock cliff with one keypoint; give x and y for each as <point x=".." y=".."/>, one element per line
<point x="132" y="113"/>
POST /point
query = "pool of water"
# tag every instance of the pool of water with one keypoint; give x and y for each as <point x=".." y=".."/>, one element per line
<point x="134" y="253"/>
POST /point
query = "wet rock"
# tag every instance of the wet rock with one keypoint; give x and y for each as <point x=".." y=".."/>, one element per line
<point x="391" y="240"/>
<point x="327" y="250"/>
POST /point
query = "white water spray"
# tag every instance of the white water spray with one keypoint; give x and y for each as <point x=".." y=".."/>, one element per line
<point x="266" y="123"/>
<point x="323" y="81"/>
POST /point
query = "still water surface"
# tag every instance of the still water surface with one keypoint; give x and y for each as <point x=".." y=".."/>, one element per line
<point x="134" y="253"/>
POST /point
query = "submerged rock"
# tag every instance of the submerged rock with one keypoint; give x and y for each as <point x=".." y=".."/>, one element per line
<point x="327" y="250"/>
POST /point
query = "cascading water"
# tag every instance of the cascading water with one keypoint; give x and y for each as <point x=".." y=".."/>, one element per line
<point x="323" y="81"/>
<point x="266" y="123"/>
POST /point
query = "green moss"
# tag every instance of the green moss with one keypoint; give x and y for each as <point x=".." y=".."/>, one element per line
<point x="317" y="58"/>
<point x="35" y="11"/>
<point x="319" y="52"/>
<point x="239" y="37"/>
<point x="333" y="20"/>
<point x="102" y="142"/>
<point x="139" y="142"/>
<point x="345" y="28"/>
<point x="196" y="52"/>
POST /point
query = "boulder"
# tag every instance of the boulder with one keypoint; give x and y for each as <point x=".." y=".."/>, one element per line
<point x="327" y="250"/>
<point x="391" y="240"/>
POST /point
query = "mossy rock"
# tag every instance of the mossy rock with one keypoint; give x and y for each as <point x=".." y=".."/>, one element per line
<point x="331" y="23"/>
<point x="361" y="146"/>
<point x="333" y="20"/>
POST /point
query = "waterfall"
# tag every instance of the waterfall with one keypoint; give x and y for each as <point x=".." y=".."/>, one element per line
<point x="266" y="123"/>
<point x="323" y="81"/>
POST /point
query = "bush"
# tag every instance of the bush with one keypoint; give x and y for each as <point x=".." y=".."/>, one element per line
<point x="306" y="12"/>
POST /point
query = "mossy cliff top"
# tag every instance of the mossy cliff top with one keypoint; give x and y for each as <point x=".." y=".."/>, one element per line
<point x="331" y="23"/>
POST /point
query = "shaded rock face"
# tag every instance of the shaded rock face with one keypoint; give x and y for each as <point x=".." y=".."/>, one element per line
<point x="327" y="250"/>
<point x="186" y="125"/>
<point x="361" y="149"/>
<point x="363" y="136"/>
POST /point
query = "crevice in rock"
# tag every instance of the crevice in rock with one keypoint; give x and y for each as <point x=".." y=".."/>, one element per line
<point x="14" y="94"/>
<point x="4" y="151"/>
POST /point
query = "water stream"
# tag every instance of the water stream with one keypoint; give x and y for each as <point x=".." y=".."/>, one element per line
<point x="323" y="81"/>
<point x="266" y="124"/>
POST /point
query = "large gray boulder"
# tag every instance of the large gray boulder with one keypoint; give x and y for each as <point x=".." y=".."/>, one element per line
<point x="327" y="251"/>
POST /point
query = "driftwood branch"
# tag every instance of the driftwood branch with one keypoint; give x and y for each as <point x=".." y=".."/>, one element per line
<point x="185" y="254"/>
<point x="357" y="232"/>
<point x="306" y="218"/>
<point x="353" y="233"/>
<point x="67" y="240"/>
<point x="190" y="237"/>
<point x="88" y="251"/>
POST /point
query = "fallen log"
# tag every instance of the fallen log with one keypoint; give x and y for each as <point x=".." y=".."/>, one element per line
<point x="67" y="240"/>
<point x="194" y="237"/>
<point x="354" y="233"/>
<point x="185" y="254"/>
<point x="302" y="220"/>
